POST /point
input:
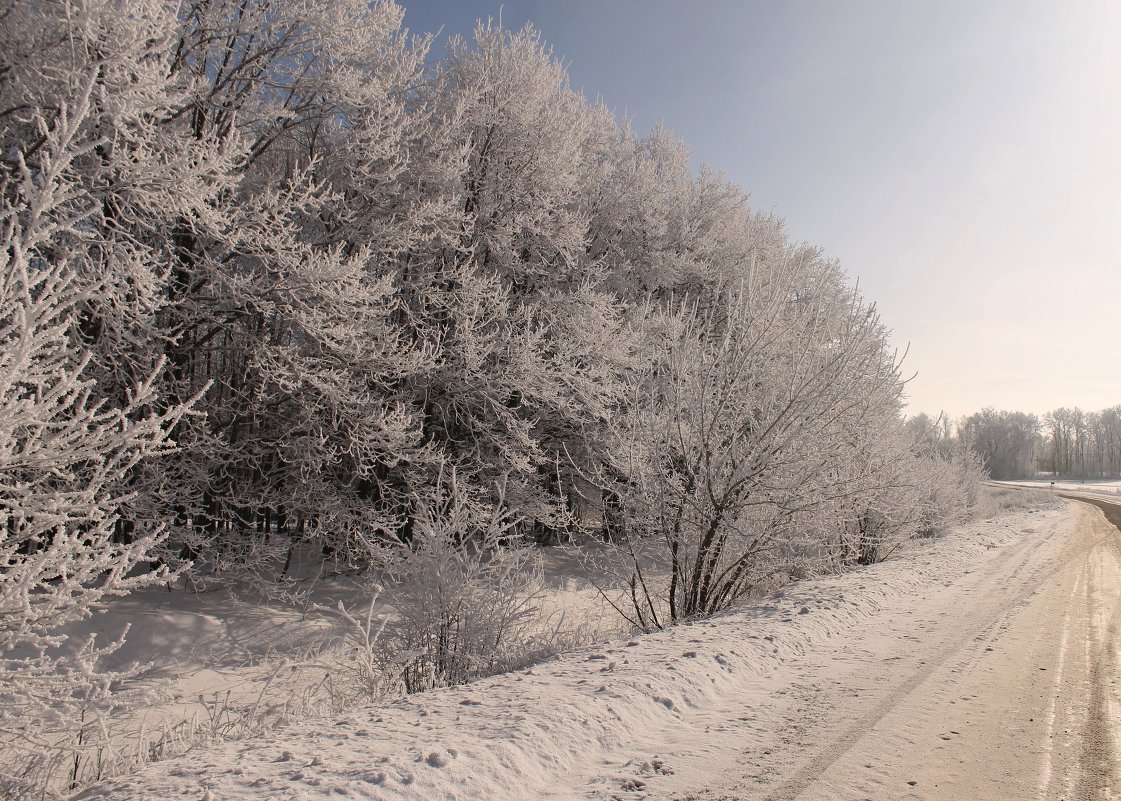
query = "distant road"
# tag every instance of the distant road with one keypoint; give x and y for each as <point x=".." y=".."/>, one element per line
<point x="1008" y="689"/>
<point x="1092" y="488"/>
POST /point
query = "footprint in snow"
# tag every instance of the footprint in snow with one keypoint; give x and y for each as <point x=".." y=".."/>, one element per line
<point x="439" y="759"/>
<point x="655" y="766"/>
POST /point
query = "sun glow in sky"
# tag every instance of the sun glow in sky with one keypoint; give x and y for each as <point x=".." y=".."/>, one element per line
<point x="961" y="159"/>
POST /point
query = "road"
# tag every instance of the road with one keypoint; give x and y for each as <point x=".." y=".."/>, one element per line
<point x="1007" y="690"/>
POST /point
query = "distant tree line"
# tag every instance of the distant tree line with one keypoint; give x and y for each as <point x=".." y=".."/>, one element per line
<point x="1082" y="444"/>
<point x="1064" y="442"/>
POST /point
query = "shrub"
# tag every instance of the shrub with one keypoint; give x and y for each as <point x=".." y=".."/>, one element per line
<point x="466" y="591"/>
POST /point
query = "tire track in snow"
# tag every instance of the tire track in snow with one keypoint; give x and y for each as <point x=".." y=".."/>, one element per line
<point x="1095" y="776"/>
<point x="998" y="589"/>
<point x="1081" y="726"/>
<point x="1047" y="763"/>
<point x="962" y="652"/>
<point x="996" y="647"/>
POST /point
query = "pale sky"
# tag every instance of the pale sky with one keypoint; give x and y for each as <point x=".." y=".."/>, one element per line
<point x="961" y="159"/>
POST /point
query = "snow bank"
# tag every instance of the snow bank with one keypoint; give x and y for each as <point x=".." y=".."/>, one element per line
<point x="527" y="735"/>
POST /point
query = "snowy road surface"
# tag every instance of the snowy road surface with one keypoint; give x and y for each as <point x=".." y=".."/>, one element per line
<point x="1008" y="691"/>
<point x="979" y="666"/>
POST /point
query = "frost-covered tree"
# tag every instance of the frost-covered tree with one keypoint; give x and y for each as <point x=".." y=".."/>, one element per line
<point x="1007" y="441"/>
<point x="66" y="458"/>
<point x="133" y="175"/>
<point x="655" y="225"/>
<point x="936" y="433"/>
<point x="369" y="267"/>
<point x="740" y="438"/>
<point x="129" y="176"/>
<point x="530" y="344"/>
<point x="467" y="587"/>
<point x="287" y="310"/>
<point x="275" y="288"/>
<point x="901" y="487"/>
<point x="1104" y="429"/>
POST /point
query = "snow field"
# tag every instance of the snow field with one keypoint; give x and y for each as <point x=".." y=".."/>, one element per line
<point x="625" y="716"/>
<point x="223" y="667"/>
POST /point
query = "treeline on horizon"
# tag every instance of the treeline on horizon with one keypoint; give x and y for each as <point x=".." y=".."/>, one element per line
<point x="1065" y="442"/>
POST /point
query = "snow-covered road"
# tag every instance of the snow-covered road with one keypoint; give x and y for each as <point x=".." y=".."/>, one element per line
<point x="1007" y="692"/>
<point x="977" y="666"/>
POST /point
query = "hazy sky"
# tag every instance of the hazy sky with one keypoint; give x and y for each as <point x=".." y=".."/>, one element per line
<point x="962" y="159"/>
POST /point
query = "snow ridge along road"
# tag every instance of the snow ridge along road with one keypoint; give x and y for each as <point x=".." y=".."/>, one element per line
<point x="977" y="666"/>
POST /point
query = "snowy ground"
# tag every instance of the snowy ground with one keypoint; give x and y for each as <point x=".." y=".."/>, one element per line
<point x="212" y="656"/>
<point x="652" y="716"/>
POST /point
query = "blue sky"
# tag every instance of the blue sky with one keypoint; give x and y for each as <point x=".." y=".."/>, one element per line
<point x="961" y="159"/>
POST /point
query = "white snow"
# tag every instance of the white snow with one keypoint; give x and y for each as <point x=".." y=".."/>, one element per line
<point x="1096" y="486"/>
<point x="621" y="717"/>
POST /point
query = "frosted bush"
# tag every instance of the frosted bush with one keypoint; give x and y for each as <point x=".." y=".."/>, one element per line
<point x="65" y="463"/>
<point x="465" y="595"/>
